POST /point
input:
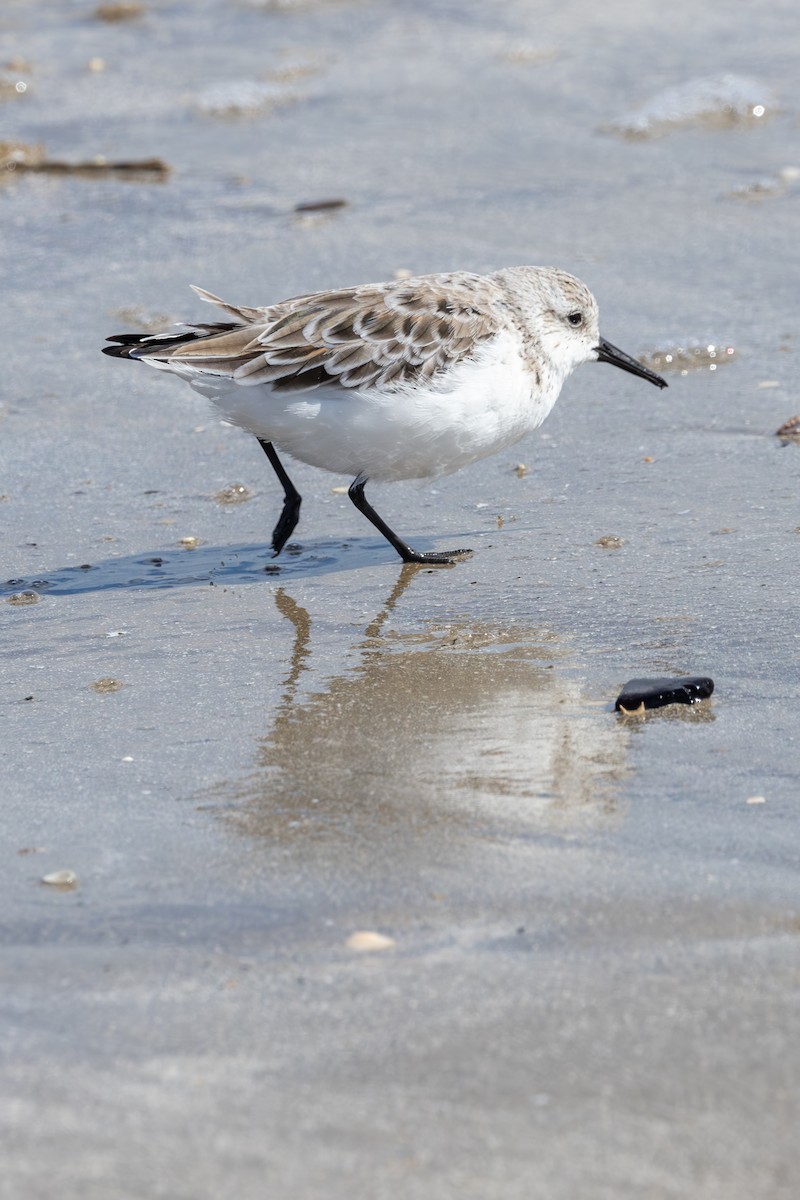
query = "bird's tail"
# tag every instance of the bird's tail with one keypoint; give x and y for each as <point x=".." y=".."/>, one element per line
<point x="144" y="345"/>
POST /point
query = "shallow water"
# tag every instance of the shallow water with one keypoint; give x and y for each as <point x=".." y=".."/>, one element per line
<point x="594" y="916"/>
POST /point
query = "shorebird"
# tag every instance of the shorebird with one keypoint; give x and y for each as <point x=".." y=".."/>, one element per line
<point x="410" y="379"/>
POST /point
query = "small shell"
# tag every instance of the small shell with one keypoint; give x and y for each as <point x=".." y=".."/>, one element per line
<point x="367" y="940"/>
<point x="106" y="686"/>
<point x="64" y="879"/>
<point x="790" y="428"/>
<point x="237" y="493"/>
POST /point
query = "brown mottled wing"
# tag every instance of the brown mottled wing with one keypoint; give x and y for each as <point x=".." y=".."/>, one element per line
<point x="375" y="335"/>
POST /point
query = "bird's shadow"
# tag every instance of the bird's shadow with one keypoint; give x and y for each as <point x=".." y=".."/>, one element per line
<point x="182" y="567"/>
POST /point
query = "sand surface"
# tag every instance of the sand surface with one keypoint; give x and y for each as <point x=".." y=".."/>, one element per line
<point x="591" y="986"/>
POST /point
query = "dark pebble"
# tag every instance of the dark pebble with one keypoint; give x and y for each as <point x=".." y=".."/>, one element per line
<point x="308" y="206"/>
<point x="654" y="693"/>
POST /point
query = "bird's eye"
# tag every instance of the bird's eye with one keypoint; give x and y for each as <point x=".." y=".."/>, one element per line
<point x="575" y="318"/>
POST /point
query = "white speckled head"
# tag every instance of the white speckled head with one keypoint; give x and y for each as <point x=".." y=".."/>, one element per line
<point x="560" y="323"/>
<point x="559" y="315"/>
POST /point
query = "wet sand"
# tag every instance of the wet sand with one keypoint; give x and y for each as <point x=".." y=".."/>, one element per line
<point x="590" y="987"/>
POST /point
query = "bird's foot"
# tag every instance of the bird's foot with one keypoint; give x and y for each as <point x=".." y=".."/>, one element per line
<point x="443" y="558"/>
<point x="286" y="526"/>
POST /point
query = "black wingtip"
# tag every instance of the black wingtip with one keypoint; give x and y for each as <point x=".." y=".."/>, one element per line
<point x="139" y="345"/>
<point x="124" y="343"/>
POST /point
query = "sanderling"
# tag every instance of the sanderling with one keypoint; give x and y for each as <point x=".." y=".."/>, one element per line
<point x="403" y="380"/>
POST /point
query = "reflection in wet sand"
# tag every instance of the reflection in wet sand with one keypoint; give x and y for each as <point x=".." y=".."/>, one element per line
<point x="462" y="726"/>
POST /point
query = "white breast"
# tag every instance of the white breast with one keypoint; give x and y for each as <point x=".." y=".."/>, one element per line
<point x="416" y="431"/>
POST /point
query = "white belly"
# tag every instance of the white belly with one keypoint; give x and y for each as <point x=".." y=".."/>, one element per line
<point x="475" y="409"/>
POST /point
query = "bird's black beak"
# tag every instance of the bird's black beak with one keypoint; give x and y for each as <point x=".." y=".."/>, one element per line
<point x="618" y="358"/>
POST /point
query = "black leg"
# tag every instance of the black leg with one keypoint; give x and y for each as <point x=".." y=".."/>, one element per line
<point x="356" y="494"/>
<point x="290" y="514"/>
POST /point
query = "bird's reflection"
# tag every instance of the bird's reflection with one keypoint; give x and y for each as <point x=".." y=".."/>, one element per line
<point x="301" y="651"/>
<point x="301" y="621"/>
<point x="459" y="727"/>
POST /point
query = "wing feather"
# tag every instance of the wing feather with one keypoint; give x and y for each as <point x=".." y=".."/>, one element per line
<point x="376" y="335"/>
